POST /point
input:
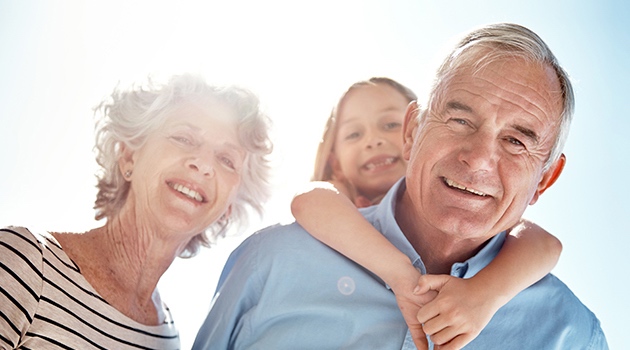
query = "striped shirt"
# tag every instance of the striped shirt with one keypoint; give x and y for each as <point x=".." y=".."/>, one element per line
<point x="46" y="303"/>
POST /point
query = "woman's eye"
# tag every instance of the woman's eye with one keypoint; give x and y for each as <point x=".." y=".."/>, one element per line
<point x="226" y="161"/>
<point x="182" y="139"/>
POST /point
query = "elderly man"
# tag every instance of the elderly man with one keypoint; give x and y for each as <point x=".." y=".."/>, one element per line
<point x="487" y="145"/>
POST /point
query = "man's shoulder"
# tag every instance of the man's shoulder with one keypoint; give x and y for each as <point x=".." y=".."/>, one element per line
<point x="550" y="308"/>
<point x="279" y="235"/>
<point x="277" y="251"/>
<point x="547" y="315"/>
<point x="553" y="291"/>
<point x="280" y="240"/>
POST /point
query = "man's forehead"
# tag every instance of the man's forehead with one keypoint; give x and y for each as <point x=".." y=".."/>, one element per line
<point x="528" y="85"/>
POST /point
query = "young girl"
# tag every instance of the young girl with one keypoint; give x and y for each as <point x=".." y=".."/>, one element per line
<point x="358" y="160"/>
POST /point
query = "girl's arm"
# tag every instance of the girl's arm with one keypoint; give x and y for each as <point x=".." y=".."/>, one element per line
<point x="528" y="254"/>
<point x="332" y="218"/>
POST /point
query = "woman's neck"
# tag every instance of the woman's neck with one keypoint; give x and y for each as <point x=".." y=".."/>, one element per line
<point x="123" y="261"/>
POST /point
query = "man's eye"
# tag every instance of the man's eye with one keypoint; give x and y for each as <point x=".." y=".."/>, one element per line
<point x="459" y="121"/>
<point x="515" y="142"/>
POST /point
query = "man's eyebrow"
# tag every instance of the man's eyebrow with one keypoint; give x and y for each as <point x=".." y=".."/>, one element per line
<point x="458" y="106"/>
<point x="529" y="133"/>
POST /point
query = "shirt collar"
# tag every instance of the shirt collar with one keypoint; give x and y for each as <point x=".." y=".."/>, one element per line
<point x="384" y="220"/>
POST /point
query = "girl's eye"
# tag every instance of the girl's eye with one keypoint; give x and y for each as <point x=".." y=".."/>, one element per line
<point x="351" y="136"/>
<point x="392" y="125"/>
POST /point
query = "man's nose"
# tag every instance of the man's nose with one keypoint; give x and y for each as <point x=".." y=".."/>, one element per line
<point x="479" y="151"/>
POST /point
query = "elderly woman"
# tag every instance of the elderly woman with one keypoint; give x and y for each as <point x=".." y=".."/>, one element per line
<point x="180" y="163"/>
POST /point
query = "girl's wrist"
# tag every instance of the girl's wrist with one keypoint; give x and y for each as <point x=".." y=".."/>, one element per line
<point x="403" y="280"/>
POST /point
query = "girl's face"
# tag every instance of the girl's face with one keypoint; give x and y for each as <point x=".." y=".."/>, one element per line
<point x="368" y="146"/>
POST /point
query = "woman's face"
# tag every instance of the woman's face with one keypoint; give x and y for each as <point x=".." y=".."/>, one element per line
<point x="188" y="172"/>
<point x="368" y="144"/>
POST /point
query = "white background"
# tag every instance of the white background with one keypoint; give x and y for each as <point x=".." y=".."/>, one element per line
<point x="60" y="58"/>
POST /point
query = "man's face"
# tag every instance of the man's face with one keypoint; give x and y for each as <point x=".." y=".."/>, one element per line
<point x="476" y="158"/>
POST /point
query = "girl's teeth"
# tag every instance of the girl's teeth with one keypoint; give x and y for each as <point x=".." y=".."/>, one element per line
<point x="371" y="166"/>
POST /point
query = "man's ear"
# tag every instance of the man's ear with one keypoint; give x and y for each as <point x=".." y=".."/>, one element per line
<point x="410" y="127"/>
<point x="126" y="160"/>
<point x="549" y="177"/>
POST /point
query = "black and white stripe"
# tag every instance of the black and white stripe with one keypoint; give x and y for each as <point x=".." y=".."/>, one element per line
<point x="46" y="303"/>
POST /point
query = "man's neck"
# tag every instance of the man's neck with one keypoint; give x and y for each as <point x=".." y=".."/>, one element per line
<point x="438" y="250"/>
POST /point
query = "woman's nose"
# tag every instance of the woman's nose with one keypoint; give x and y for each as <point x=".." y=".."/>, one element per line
<point x="202" y="165"/>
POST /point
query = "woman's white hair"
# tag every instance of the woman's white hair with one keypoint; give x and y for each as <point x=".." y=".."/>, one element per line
<point x="128" y="117"/>
<point x="498" y="41"/>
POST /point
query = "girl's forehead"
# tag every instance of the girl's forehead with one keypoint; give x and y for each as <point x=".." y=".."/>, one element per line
<point x="369" y="101"/>
<point x="373" y="89"/>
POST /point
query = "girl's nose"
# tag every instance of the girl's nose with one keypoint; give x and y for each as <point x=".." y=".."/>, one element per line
<point x="374" y="140"/>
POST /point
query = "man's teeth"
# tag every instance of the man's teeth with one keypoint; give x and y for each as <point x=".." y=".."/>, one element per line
<point x="372" y="166"/>
<point x="454" y="184"/>
<point x="190" y="193"/>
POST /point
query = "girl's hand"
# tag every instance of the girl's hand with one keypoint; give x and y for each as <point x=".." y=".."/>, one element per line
<point x="410" y="304"/>
<point x="458" y="313"/>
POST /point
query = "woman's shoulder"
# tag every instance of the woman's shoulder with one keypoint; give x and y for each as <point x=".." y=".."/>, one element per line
<point x="26" y="249"/>
<point x="22" y="258"/>
<point x="23" y="237"/>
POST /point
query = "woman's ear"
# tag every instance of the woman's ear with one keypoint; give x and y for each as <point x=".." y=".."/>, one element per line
<point x="226" y="214"/>
<point x="549" y="177"/>
<point x="126" y="161"/>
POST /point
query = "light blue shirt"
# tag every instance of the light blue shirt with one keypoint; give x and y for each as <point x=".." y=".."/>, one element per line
<point x="283" y="289"/>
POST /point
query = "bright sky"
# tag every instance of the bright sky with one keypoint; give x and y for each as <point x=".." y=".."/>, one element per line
<point x="59" y="58"/>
